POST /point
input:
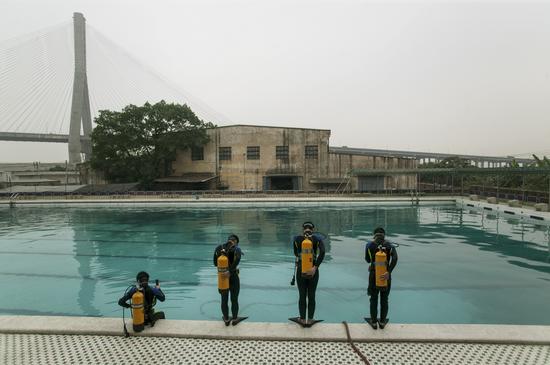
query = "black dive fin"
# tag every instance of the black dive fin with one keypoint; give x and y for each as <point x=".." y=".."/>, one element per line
<point x="238" y="320"/>
<point x="311" y="324"/>
<point x="297" y="320"/>
<point x="373" y="324"/>
<point x="226" y="321"/>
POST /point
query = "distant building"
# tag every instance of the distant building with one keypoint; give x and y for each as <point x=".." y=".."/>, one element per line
<point x="21" y="174"/>
<point x="343" y="160"/>
<point x="256" y="158"/>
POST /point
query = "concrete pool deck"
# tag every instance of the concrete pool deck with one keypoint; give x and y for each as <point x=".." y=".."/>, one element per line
<point x="191" y="200"/>
<point x="87" y="340"/>
<point x="271" y="331"/>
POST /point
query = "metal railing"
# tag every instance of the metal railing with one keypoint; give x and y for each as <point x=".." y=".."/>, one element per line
<point x="172" y="194"/>
<point x="530" y="196"/>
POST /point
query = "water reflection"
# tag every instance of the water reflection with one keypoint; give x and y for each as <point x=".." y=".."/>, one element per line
<point x="93" y="254"/>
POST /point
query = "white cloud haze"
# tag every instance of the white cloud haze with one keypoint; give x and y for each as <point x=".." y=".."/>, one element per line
<point x="457" y="77"/>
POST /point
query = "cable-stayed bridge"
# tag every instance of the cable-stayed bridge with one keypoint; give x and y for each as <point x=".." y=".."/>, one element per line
<point x="54" y="82"/>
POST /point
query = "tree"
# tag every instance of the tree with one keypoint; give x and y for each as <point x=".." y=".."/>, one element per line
<point x="448" y="162"/>
<point x="139" y="143"/>
<point x="538" y="182"/>
<point x="57" y="168"/>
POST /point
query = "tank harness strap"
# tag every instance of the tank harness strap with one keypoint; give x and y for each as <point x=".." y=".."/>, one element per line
<point x="388" y="254"/>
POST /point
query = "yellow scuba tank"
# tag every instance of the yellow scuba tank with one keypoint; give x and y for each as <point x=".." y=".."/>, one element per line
<point x="380" y="267"/>
<point x="138" y="311"/>
<point x="307" y="255"/>
<point x="223" y="265"/>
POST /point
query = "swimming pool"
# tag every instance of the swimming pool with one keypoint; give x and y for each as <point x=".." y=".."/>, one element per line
<point x="455" y="266"/>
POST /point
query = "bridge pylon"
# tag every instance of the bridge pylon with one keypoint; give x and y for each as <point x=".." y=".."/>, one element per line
<point x="80" y="107"/>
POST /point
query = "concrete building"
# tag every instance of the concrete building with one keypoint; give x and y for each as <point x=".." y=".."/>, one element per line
<point x="344" y="160"/>
<point x="36" y="174"/>
<point x="256" y="158"/>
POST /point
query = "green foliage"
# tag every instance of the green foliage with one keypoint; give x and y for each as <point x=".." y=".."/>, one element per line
<point x="449" y="162"/>
<point x="57" y="168"/>
<point x="513" y="181"/>
<point x="139" y="143"/>
<point x="527" y="182"/>
<point x="545" y="162"/>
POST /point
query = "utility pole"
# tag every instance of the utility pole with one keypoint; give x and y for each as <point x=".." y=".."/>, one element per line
<point x="80" y="107"/>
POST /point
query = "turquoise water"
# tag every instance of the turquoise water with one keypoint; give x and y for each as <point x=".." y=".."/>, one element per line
<point x="455" y="266"/>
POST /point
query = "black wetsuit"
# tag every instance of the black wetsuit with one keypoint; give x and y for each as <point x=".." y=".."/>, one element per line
<point x="234" y="257"/>
<point x="150" y="294"/>
<point x="306" y="284"/>
<point x="370" y="252"/>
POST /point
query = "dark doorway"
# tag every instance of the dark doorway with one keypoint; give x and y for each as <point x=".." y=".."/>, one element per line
<point x="281" y="183"/>
<point x="371" y="183"/>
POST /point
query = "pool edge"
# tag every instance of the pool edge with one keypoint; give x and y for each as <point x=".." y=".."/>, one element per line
<point x="266" y="331"/>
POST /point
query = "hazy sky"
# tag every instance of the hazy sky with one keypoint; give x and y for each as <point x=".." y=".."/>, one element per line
<point x="457" y="77"/>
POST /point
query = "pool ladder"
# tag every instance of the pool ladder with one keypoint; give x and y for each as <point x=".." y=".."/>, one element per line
<point x="415" y="198"/>
<point x="345" y="185"/>
<point x="13" y="198"/>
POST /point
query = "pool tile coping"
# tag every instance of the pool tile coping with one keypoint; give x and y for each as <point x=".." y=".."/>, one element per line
<point x="461" y="333"/>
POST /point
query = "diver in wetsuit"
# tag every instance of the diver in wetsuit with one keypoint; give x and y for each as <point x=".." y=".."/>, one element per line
<point x="307" y="282"/>
<point x="150" y="293"/>
<point x="379" y="243"/>
<point x="233" y="252"/>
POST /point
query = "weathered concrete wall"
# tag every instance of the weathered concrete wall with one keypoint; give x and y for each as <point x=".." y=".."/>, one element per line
<point x="341" y="164"/>
<point x="71" y="177"/>
<point x="240" y="173"/>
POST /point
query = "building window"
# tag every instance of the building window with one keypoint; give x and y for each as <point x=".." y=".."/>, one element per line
<point x="253" y="152"/>
<point x="197" y="153"/>
<point x="225" y="153"/>
<point x="312" y="152"/>
<point x="281" y="152"/>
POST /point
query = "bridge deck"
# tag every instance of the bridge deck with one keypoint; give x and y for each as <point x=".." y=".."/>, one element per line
<point x="37" y="137"/>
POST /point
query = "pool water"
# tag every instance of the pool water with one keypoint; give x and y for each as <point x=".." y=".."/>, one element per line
<point x="455" y="266"/>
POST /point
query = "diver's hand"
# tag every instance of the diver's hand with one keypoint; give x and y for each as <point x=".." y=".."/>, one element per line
<point x="311" y="272"/>
<point x="385" y="276"/>
<point x="126" y="305"/>
<point x="226" y="274"/>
